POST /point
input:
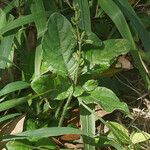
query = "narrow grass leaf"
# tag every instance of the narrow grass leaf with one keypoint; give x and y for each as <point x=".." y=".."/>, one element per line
<point x="19" y="22"/>
<point x="13" y="103"/>
<point x="14" y="86"/>
<point x="7" y="117"/>
<point x="44" y="132"/>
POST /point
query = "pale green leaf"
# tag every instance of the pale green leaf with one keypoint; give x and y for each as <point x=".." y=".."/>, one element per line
<point x="44" y="132"/>
<point x="138" y="137"/>
<point x="119" y="132"/>
<point x="90" y="85"/>
<point x="105" y="98"/>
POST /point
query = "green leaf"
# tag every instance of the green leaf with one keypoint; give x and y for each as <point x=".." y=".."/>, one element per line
<point x="59" y="86"/>
<point x="38" y="6"/>
<point x="7" y="117"/>
<point x="58" y="46"/>
<point x="78" y="91"/>
<point x="90" y="85"/>
<point x="139" y="137"/>
<point x="45" y="143"/>
<point x="3" y="18"/>
<point x="16" y="145"/>
<point x="14" y="86"/>
<point x="19" y="22"/>
<point x="44" y="132"/>
<point x="93" y="39"/>
<point x="119" y="132"/>
<point x="12" y="103"/>
<point x="6" y="49"/>
<point x="105" y="98"/>
<point x="101" y="58"/>
<point x="10" y="6"/>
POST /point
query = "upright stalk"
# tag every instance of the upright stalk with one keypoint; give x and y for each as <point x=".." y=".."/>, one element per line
<point x="65" y="110"/>
<point x="79" y="41"/>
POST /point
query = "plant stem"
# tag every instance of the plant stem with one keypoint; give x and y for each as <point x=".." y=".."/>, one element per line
<point x="79" y="54"/>
<point x="65" y="110"/>
<point x="79" y="41"/>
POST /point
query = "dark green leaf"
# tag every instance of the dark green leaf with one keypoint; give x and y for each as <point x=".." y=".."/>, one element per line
<point x="14" y="86"/>
<point x="58" y="46"/>
<point x="7" y="117"/>
<point x="12" y="103"/>
<point x="58" y="85"/>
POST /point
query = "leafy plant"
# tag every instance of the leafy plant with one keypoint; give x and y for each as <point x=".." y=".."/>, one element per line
<point x="54" y="58"/>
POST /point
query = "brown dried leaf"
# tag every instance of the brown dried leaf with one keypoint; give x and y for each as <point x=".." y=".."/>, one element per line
<point x="13" y="127"/>
<point x="125" y="62"/>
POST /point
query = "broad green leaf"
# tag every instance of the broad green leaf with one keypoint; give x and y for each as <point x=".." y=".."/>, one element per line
<point x="119" y="132"/>
<point x="59" y="86"/>
<point x="101" y="58"/>
<point x="113" y="11"/>
<point x="90" y="85"/>
<point x="105" y="98"/>
<point x="7" y="117"/>
<point x="85" y="20"/>
<point x="139" y="137"/>
<point x="14" y="86"/>
<point x="78" y="91"/>
<point x="12" y="103"/>
<point x="58" y="46"/>
<point x="44" y="132"/>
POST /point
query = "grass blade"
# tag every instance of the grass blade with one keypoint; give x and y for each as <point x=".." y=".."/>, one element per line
<point x="7" y="117"/>
<point x="14" y="86"/>
<point x="20" y="21"/>
<point x="43" y="132"/>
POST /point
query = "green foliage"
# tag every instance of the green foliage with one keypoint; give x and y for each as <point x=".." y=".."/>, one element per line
<point x="63" y="42"/>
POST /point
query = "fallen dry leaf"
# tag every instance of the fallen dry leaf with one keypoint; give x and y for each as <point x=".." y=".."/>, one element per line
<point x="12" y="127"/>
<point x="125" y="62"/>
<point x="70" y="137"/>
